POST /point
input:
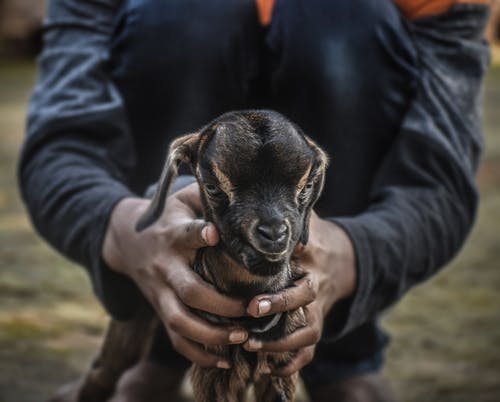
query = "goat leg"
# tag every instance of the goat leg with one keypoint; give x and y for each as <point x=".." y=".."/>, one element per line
<point x="124" y="345"/>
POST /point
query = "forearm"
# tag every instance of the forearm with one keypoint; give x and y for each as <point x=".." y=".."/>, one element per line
<point x="424" y="198"/>
<point x="399" y="247"/>
<point x="78" y="154"/>
<point x="70" y="195"/>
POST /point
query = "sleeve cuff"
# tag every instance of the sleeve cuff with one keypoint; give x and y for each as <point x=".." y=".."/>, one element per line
<point x="118" y="294"/>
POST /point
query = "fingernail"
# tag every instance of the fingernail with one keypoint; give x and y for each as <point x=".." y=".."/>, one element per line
<point x="204" y="233"/>
<point x="223" y="365"/>
<point x="237" y="336"/>
<point x="254" y="344"/>
<point x="266" y="370"/>
<point x="264" y="306"/>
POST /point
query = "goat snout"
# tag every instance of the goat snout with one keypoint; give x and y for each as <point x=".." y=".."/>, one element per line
<point x="271" y="238"/>
<point x="272" y="232"/>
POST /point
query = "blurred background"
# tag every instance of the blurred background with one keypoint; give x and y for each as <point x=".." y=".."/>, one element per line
<point x="445" y="333"/>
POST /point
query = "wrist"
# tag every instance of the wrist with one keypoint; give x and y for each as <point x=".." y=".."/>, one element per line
<point x="335" y="254"/>
<point x="121" y="226"/>
<point x="346" y="261"/>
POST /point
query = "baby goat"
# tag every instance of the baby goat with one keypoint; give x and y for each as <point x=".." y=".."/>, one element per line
<point x="259" y="177"/>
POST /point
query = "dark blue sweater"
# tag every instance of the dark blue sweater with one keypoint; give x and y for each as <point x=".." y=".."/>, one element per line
<point x="406" y="198"/>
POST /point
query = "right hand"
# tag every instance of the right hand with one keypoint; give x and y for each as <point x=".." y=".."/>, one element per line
<point x="159" y="261"/>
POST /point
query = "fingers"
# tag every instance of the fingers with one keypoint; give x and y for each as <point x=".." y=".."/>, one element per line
<point x="187" y="332"/>
<point x="183" y="322"/>
<point x="197" y="353"/>
<point x="302" y="337"/>
<point x="195" y="292"/>
<point x="180" y="223"/>
<point x="197" y="233"/>
<point x="302" y="358"/>
<point x="303" y="293"/>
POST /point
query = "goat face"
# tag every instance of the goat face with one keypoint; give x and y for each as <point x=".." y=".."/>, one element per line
<point x="259" y="178"/>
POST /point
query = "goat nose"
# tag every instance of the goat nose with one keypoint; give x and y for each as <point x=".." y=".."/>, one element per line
<point x="274" y="232"/>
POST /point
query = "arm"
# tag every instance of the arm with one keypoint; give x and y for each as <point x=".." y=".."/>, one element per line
<point x="78" y="153"/>
<point x="74" y="171"/>
<point x="423" y="200"/>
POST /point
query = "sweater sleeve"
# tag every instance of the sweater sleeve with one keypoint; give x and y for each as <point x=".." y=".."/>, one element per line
<point x="424" y="198"/>
<point x="78" y="153"/>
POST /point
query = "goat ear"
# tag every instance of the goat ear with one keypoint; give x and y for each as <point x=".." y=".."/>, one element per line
<point x="181" y="150"/>
<point x="318" y="171"/>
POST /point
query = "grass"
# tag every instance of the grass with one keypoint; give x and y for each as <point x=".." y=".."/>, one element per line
<point x="445" y="333"/>
<point x="50" y="323"/>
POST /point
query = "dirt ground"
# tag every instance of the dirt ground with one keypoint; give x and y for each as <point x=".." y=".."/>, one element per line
<point x="445" y="334"/>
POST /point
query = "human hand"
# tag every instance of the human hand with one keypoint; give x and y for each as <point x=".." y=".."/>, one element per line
<point x="159" y="261"/>
<point x="329" y="261"/>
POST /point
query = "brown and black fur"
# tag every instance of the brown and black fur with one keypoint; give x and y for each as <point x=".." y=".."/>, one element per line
<point x="259" y="177"/>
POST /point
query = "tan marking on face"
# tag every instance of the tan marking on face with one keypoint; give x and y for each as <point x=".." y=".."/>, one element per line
<point x="303" y="180"/>
<point x="224" y="181"/>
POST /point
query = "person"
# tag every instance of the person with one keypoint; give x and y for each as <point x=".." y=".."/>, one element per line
<point x="389" y="88"/>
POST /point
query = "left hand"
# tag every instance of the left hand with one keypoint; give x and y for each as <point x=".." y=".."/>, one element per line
<point x="329" y="261"/>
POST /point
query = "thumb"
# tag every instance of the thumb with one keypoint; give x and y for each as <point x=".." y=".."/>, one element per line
<point x="198" y="233"/>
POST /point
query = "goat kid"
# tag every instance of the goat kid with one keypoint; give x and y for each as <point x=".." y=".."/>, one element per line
<point x="259" y="178"/>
